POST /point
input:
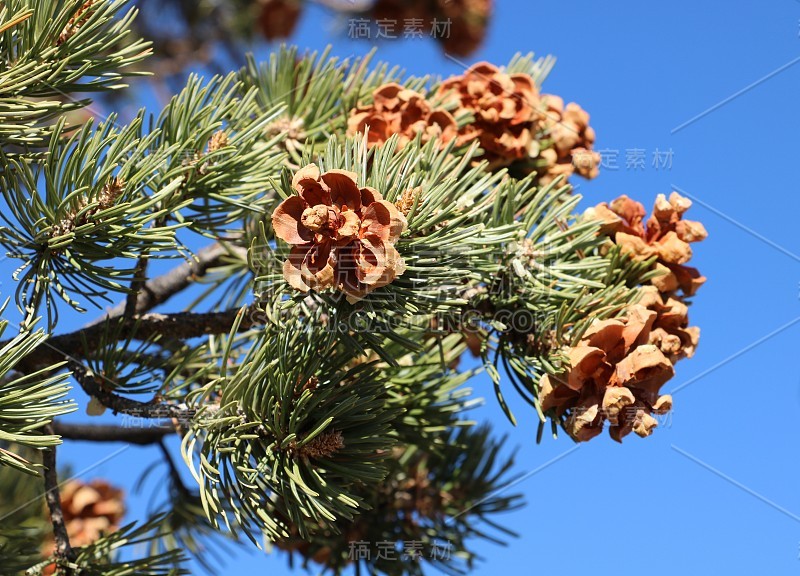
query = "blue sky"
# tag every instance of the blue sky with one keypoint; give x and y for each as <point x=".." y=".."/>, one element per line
<point x="715" y="489"/>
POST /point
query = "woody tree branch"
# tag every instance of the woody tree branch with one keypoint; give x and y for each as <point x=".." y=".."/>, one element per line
<point x="140" y="277"/>
<point x="161" y="288"/>
<point x="181" y="325"/>
<point x="84" y="342"/>
<point x="111" y="433"/>
<point x="52" y="497"/>
<point x="120" y="404"/>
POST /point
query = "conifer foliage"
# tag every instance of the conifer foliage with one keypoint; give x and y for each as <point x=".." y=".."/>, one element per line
<point x="350" y="235"/>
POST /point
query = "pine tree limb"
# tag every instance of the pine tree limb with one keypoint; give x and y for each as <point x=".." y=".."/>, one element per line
<point x="122" y="405"/>
<point x="161" y="288"/>
<point x="181" y="325"/>
<point x="53" y="499"/>
<point x="111" y="433"/>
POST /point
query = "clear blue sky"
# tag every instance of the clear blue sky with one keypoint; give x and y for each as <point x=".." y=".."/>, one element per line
<point x="655" y="505"/>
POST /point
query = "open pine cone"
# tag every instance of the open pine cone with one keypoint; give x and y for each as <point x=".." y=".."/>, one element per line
<point x="666" y="235"/>
<point x="615" y="374"/>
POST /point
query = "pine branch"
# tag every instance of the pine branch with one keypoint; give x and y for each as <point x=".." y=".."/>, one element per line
<point x="60" y="49"/>
<point x="28" y="403"/>
<point x="80" y="343"/>
<point x="181" y="325"/>
<point x="53" y="498"/>
<point x="110" y="433"/>
<point x="122" y="405"/>
<point x="107" y="556"/>
<point x="161" y="288"/>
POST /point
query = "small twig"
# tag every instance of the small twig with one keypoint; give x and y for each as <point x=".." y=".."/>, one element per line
<point x="137" y="284"/>
<point x="140" y="275"/>
<point x="111" y="433"/>
<point x="53" y="499"/>
<point x="122" y="405"/>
